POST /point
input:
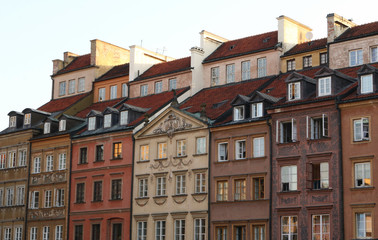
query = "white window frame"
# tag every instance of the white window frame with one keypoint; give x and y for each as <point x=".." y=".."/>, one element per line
<point x="290" y="234"/>
<point x="62" y="161"/>
<point x="180" y="184"/>
<point x="290" y="65"/>
<point x="143" y="187"/>
<point x="374" y="54"/>
<point x="200" y="145"/>
<point x="239" y="113"/>
<point x="240" y="149"/>
<point x="46" y="127"/>
<point x="323" y="58"/>
<point x="59" y="232"/>
<point x="27" y="119"/>
<point x="113" y="92"/>
<point x="101" y="94"/>
<point x="257" y="110"/>
<point x="141" y="230"/>
<point x="181" y="148"/>
<point x="161" y="186"/>
<point x="37" y="165"/>
<point x="246" y="70"/>
<point x="34" y="203"/>
<point x="46" y="233"/>
<point x="258" y="147"/>
<point x="124" y="115"/>
<point x="144" y="153"/>
<point x="62" y="125"/>
<point x="361" y="129"/>
<point x="1" y="197"/>
<point x="107" y="120"/>
<point x="144" y="90"/>
<point x="49" y="163"/>
<point x="179" y="229"/>
<point x="33" y="233"/>
<point x="62" y="88"/>
<point x="261" y="67"/>
<point x="11" y="159"/>
<point x="172" y="83"/>
<point x="230" y="73"/>
<point x="222" y="151"/>
<point x="17" y="233"/>
<point x="125" y="90"/>
<point x="200" y="182"/>
<point x="325" y="86"/>
<point x="214" y="76"/>
<point x="362" y="225"/>
<point x="321" y="227"/>
<point x="307" y="61"/>
<point x="312" y="134"/>
<point x="20" y="195"/>
<point x="162" y="150"/>
<point x="3" y="160"/>
<point x="9" y="196"/>
<point x="91" y="123"/>
<point x="366" y="83"/>
<point x="59" y="197"/>
<point x="290" y="177"/>
<point x="160" y="230"/>
<point x="362" y="173"/>
<point x="48" y="199"/>
<point x="22" y="155"/>
<point x="200" y="228"/>
<point x="158" y="87"/>
<point x="7" y="233"/>
<point x="356" y="57"/>
<point x="297" y="91"/>
<point x="81" y="84"/>
<point x="12" y="121"/>
<point x="71" y="86"/>
<point x="281" y="132"/>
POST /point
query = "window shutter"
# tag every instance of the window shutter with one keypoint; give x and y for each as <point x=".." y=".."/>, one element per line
<point x="276" y="131"/>
<point x="325" y="125"/>
<point x="293" y="130"/>
<point x="307" y="127"/>
<point x="309" y="175"/>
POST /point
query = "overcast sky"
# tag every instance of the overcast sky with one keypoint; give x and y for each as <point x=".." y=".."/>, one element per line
<point x="32" y="33"/>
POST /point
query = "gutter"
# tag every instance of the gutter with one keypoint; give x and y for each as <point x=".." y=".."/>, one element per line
<point x="27" y="192"/>
<point x="341" y="178"/>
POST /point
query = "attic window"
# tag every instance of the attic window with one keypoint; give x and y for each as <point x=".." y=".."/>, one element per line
<point x="107" y="121"/>
<point x="366" y="84"/>
<point x="12" y="121"/>
<point x="124" y="117"/>
<point x="27" y="119"/>
<point x="62" y="125"/>
<point x="294" y="91"/>
<point x="266" y="40"/>
<point x="324" y="87"/>
<point x="46" y="128"/>
<point x="257" y="110"/>
<point x="238" y="113"/>
<point x="219" y="104"/>
<point x="92" y="123"/>
<point x="232" y="47"/>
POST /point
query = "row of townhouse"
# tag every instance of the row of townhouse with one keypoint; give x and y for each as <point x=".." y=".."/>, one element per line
<point x="265" y="137"/>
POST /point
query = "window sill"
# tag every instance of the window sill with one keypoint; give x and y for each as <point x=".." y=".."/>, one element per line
<point x="160" y="159"/>
<point x="160" y="197"/>
<point x="99" y="161"/>
<point x="199" y="154"/>
<point x="289" y="192"/>
<point x="80" y="202"/>
<point x="318" y="139"/>
<point x="141" y="198"/>
<point x="145" y="161"/>
<point x="222" y="161"/>
<point x="321" y="190"/>
<point x="119" y="158"/>
<point x="184" y="156"/>
<point x="180" y="195"/>
<point x="97" y="201"/>
<point x="288" y="143"/>
<point x="199" y="194"/>
<point x="117" y="199"/>
<point x="362" y="188"/>
<point x="361" y="141"/>
<point x="82" y="163"/>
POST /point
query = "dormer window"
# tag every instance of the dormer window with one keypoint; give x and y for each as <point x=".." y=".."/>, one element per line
<point x="27" y="119"/>
<point x="62" y="125"/>
<point x="46" y="128"/>
<point x="12" y="121"/>
<point x="324" y="87"/>
<point x="124" y="117"/>
<point x="107" y="120"/>
<point x="366" y="84"/>
<point x="257" y="110"/>
<point x="294" y="92"/>
<point x="238" y="113"/>
<point x="92" y="123"/>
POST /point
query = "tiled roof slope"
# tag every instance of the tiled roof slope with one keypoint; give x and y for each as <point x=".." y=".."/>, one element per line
<point x="164" y="68"/>
<point x="218" y="99"/>
<point x="61" y="104"/>
<point x="116" y="71"/>
<point x="244" y="46"/>
<point x="307" y="46"/>
<point x="100" y="106"/>
<point x="78" y="63"/>
<point x="359" y="31"/>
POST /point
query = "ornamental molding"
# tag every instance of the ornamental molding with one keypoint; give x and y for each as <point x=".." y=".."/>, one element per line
<point x="180" y="163"/>
<point x="171" y="125"/>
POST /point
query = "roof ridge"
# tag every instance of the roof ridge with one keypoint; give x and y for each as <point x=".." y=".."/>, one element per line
<point x="250" y="36"/>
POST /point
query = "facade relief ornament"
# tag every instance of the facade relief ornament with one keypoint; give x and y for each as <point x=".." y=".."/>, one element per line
<point x="172" y="124"/>
<point x="48" y="178"/>
<point x="180" y="163"/>
<point x="47" y="213"/>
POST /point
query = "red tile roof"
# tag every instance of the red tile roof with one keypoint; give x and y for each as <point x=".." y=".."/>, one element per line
<point x="164" y="68"/>
<point x="115" y="72"/>
<point x="359" y="31"/>
<point x="244" y="46"/>
<point x="99" y="106"/>
<point x="218" y="99"/>
<point x="76" y="64"/>
<point x="61" y="104"/>
<point x="308" y="46"/>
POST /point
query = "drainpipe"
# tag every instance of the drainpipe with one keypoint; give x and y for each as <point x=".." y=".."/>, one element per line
<point x="270" y="177"/>
<point x="69" y="192"/>
<point x="209" y="186"/>
<point x="132" y="187"/>
<point x="27" y="191"/>
<point x="341" y="184"/>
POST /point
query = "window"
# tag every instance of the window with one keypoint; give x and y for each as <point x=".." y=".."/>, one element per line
<point x="62" y="161"/>
<point x="96" y="230"/>
<point x="324" y="86"/>
<point x="99" y="153"/>
<point x="107" y="120"/>
<point x="239" y="233"/>
<point x="222" y="152"/>
<point x="83" y="155"/>
<point x="240" y="190"/>
<point x="79" y="232"/>
<point x="2" y="161"/>
<point x="12" y="121"/>
<point x="201" y="145"/>
<point x="320" y="227"/>
<point x="172" y="84"/>
<point x="221" y="233"/>
<point x="180" y="184"/>
<point x="261" y="67"/>
<point x="143" y="90"/>
<point x="34" y="203"/>
<point x="62" y="125"/>
<point x="101" y="94"/>
<point x="181" y="148"/>
<point x="222" y="191"/>
<point x="319" y="127"/>
<point x="258" y="188"/>
<point x="158" y="87"/>
<point x="364" y="225"/>
<point x="59" y="197"/>
<point x="48" y="199"/>
<point x="49" y="163"/>
<point x="27" y="119"/>
<point x="46" y="233"/>
<point x="367" y="84"/>
<point x="323" y="58"/>
<point x="257" y="110"/>
<point x="12" y="159"/>
<point x="160" y="230"/>
<point x="294" y="92"/>
<point x="319" y="174"/>
<point x="200" y="183"/>
<point x="97" y="191"/>
<point x="230" y="71"/>
<point x="124" y="90"/>
<point x="160" y="186"/>
<point x="7" y="233"/>
<point x="92" y="123"/>
<point x="374" y="54"/>
<point x="33" y="233"/>
<point x="17" y="233"/>
<point x="1" y="197"/>
<point x="37" y="165"/>
<point x="355" y="57"/>
<point x="180" y="229"/>
<point x="199" y="229"/>
<point x="20" y="195"/>
<point x="258" y="232"/>
<point x="238" y="113"/>
<point x="113" y="92"/>
<point x="289" y="227"/>
<point x="290" y="65"/>
<point x="361" y="129"/>
<point x="143" y="187"/>
<point x="362" y="174"/>
<point x="9" y="196"/>
<point x="214" y="76"/>
<point x="307" y="61"/>
<point x="81" y="84"/>
<point x="246" y="70"/>
<point x="124" y="117"/>
<point x="288" y="178"/>
<point x="144" y="153"/>
<point x="117" y="150"/>
<point x="59" y="232"/>
<point x="240" y="149"/>
<point x="22" y="158"/>
<point x="116" y="189"/>
<point x="80" y="191"/>
<point x="142" y="231"/>
<point x="162" y="150"/>
<point x="258" y="147"/>
<point x="288" y="131"/>
<point x="62" y="88"/>
<point x="71" y="86"/>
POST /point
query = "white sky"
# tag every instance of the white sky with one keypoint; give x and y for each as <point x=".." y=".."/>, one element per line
<point x="32" y="33"/>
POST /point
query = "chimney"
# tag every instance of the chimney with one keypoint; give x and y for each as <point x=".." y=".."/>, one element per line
<point x="68" y="57"/>
<point x="57" y="65"/>
<point x="336" y="25"/>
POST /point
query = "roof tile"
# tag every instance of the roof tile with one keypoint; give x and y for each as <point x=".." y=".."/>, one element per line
<point x="359" y="31"/>
<point x="308" y="46"/>
<point x="78" y="63"/>
<point x="61" y="104"/>
<point x="115" y="72"/>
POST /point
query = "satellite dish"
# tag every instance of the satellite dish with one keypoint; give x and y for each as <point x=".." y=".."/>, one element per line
<point x="309" y="36"/>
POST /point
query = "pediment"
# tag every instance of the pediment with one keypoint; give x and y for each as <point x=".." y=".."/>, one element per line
<point x="297" y="77"/>
<point x="324" y="71"/>
<point x="240" y="100"/>
<point x="366" y="69"/>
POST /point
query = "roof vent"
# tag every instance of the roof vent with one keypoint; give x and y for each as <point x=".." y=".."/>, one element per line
<point x="232" y="47"/>
<point x="266" y="39"/>
<point x="219" y="104"/>
<point x="268" y="90"/>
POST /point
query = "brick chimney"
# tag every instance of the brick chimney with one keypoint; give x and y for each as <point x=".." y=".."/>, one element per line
<point x="336" y="25"/>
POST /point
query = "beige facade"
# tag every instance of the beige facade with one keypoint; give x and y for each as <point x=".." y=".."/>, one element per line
<point x="298" y="58"/>
<point x="170" y="177"/>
